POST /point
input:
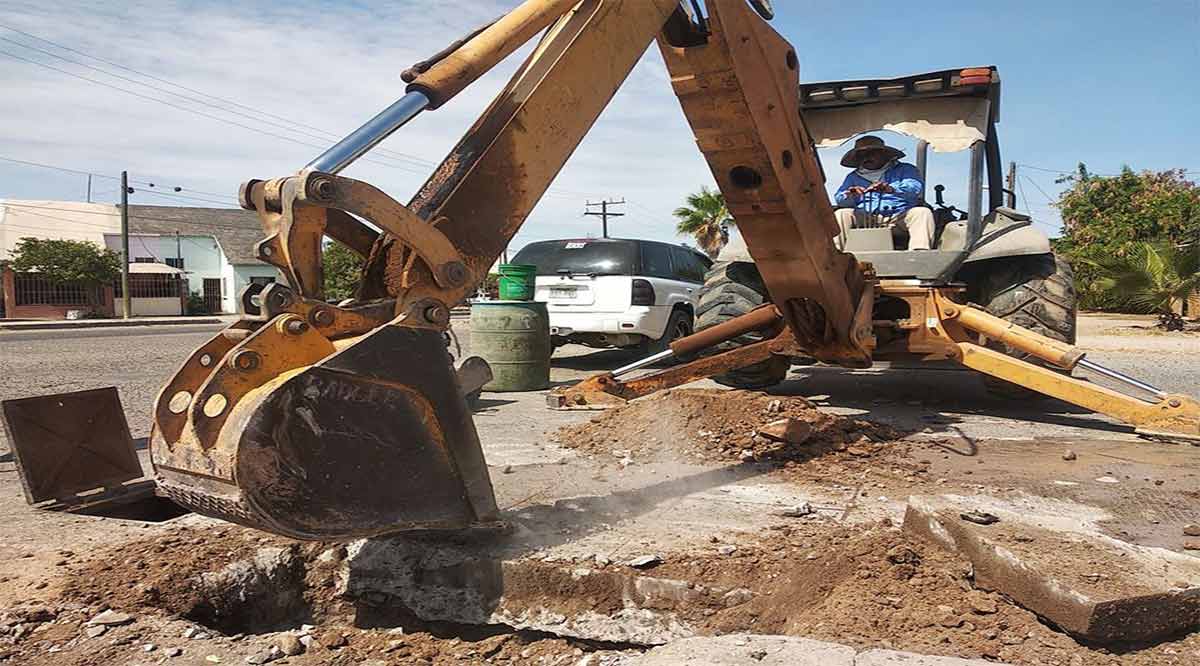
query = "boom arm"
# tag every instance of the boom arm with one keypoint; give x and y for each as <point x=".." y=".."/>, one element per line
<point x="273" y="420"/>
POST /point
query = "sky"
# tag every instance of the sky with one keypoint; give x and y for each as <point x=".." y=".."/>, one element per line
<point x="257" y="89"/>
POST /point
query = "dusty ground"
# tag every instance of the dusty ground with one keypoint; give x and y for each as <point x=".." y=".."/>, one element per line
<point x="845" y="573"/>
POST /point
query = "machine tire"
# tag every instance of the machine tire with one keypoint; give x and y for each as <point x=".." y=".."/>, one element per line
<point x="732" y="289"/>
<point x="1035" y="292"/>
<point x="679" y="325"/>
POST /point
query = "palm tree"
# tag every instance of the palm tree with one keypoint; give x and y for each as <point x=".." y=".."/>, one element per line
<point x="705" y="217"/>
<point x="1154" y="278"/>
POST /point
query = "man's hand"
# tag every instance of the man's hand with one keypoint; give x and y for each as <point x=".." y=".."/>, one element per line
<point x="880" y="187"/>
<point x="855" y="191"/>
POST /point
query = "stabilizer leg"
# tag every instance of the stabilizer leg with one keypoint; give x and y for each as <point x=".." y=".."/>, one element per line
<point x="1162" y="415"/>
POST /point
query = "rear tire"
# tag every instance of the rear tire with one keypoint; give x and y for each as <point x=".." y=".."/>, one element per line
<point x="732" y="289"/>
<point x="679" y="325"/>
<point x="1034" y="292"/>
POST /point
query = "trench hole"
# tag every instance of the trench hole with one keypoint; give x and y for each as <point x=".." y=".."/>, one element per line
<point x="792" y="61"/>
<point x="263" y="593"/>
<point x="787" y="159"/>
<point x="151" y="509"/>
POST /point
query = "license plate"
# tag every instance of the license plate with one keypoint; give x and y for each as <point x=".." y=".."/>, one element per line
<point x="562" y="292"/>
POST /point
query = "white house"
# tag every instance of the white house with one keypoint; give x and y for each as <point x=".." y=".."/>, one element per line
<point x="214" y="247"/>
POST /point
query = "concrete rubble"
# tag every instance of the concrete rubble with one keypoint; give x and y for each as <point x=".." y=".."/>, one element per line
<point x="471" y="585"/>
<point x="1129" y="593"/>
<point x="764" y="650"/>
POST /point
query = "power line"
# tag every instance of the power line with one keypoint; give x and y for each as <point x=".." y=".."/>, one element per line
<point x="1075" y="171"/>
<point x="1049" y="199"/>
<point x="323" y="135"/>
<point x="225" y="198"/>
<point x="1024" y="197"/>
<point x="227" y="121"/>
<point x="379" y="151"/>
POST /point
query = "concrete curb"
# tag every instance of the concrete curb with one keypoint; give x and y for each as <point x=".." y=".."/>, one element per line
<point x="71" y="325"/>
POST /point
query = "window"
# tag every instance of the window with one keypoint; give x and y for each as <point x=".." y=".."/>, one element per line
<point x="688" y="265"/>
<point x="143" y="260"/>
<point x="588" y="256"/>
<point x="174" y="262"/>
<point x="656" y="260"/>
<point x="262" y="280"/>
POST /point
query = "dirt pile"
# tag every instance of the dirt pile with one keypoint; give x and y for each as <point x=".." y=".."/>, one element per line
<point x="232" y="595"/>
<point x="873" y="586"/>
<point x="186" y="573"/>
<point x="714" y="425"/>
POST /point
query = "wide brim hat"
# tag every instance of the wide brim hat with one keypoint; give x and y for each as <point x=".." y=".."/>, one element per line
<point x="866" y="145"/>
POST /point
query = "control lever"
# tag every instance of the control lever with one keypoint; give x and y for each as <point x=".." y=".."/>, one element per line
<point x="937" y="190"/>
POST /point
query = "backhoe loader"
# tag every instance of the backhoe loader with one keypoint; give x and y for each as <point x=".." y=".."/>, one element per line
<point x="321" y="421"/>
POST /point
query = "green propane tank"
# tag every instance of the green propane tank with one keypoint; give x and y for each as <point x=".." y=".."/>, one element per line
<point x="514" y="338"/>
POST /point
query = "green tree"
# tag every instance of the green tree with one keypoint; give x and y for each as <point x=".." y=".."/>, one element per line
<point x="707" y="219"/>
<point x="66" y="262"/>
<point x="1107" y="218"/>
<point x="1153" y="278"/>
<point x="343" y="271"/>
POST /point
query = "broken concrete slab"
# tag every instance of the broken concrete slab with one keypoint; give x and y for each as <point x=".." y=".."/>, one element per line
<point x="470" y="584"/>
<point x="561" y="566"/>
<point x="747" y="650"/>
<point x="1051" y="557"/>
<point x="765" y="650"/>
<point x="789" y="430"/>
<point x="893" y="658"/>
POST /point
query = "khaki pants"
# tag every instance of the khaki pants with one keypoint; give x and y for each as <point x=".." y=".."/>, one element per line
<point x="918" y="222"/>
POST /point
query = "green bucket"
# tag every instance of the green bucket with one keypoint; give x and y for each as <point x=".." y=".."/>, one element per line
<point x="517" y="282"/>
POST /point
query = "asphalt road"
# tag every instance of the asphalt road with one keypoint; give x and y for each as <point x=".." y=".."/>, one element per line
<point x="947" y="402"/>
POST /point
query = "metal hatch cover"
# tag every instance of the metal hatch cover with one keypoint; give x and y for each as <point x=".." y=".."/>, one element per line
<point x="68" y="444"/>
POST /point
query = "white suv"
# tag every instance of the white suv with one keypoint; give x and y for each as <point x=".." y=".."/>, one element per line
<point x="613" y="292"/>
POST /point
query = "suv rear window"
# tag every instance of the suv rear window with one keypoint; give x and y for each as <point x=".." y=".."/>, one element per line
<point x="586" y="256"/>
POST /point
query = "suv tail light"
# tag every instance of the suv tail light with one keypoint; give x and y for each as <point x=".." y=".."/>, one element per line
<point x="643" y="292"/>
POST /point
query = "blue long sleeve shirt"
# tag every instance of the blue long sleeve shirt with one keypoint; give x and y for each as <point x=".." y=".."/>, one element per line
<point x="904" y="179"/>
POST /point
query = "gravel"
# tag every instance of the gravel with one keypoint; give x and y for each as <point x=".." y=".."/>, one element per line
<point x="137" y="361"/>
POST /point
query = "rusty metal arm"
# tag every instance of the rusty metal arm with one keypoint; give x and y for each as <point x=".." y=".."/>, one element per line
<point x="608" y="388"/>
<point x="1172" y="415"/>
<point x="737" y="86"/>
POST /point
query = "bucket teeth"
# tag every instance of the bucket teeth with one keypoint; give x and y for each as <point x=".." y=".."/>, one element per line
<point x="372" y="439"/>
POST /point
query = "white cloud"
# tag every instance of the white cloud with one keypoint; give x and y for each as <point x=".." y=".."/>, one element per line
<point x="328" y="65"/>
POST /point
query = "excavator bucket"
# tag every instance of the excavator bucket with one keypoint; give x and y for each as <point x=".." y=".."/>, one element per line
<point x="333" y="444"/>
<point x="318" y="421"/>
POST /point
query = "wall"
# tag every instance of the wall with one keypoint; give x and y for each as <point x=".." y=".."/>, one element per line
<point x="150" y="307"/>
<point x="13" y="311"/>
<point x="201" y="255"/>
<point x="61" y="220"/>
<point x="240" y="275"/>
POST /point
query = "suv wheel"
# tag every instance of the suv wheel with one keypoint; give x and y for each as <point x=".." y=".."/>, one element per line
<point x="732" y="289"/>
<point x="679" y="325"/>
<point x="1034" y="292"/>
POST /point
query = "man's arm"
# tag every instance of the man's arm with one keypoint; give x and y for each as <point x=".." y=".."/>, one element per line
<point x="849" y="194"/>
<point x="907" y="184"/>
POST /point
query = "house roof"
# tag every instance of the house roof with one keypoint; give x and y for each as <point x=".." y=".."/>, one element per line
<point x="236" y="230"/>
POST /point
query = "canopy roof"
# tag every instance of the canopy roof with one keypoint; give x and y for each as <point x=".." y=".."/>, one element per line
<point x="949" y="109"/>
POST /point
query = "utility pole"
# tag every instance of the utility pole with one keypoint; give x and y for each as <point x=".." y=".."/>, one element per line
<point x="604" y="214"/>
<point x="1012" y="185"/>
<point x="89" y="196"/>
<point x="126" y="302"/>
<point x="178" y="252"/>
